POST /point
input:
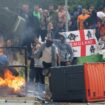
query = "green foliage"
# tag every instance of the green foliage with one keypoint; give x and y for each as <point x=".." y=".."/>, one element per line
<point x="45" y="3"/>
<point x="71" y="3"/>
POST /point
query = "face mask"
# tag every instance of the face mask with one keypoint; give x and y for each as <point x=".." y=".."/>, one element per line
<point x="48" y="43"/>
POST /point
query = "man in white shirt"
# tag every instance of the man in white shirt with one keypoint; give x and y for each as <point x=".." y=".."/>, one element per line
<point x="49" y="55"/>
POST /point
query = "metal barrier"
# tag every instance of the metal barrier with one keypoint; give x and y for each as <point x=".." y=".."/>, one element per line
<point x="25" y="59"/>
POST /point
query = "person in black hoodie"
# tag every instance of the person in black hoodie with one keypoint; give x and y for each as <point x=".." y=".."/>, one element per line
<point x="90" y="23"/>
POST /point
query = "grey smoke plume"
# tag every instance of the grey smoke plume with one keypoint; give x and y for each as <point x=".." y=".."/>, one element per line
<point x="33" y="89"/>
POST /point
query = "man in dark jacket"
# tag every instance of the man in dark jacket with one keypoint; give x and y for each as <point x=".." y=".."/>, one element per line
<point x="65" y="50"/>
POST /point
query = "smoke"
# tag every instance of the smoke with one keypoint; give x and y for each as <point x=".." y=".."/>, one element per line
<point x="33" y="89"/>
<point x="6" y="91"/>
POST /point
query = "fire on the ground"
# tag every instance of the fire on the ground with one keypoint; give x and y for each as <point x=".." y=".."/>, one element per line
<point x="11" y="81"/>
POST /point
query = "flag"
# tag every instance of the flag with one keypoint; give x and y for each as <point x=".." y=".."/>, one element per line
<point x="83" y="42"/>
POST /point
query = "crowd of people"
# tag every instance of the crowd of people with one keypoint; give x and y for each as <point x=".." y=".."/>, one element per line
<point x="52" y="49"/>
<point x="51" y="21"/>
<point x="41" y="35"/>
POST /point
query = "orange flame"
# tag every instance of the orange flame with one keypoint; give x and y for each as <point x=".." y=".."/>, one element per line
<point x="14" y="82"/>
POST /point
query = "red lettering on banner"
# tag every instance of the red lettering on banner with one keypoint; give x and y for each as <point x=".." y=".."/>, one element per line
<point x="83" y="43"/>
<point x="86" y="42"/>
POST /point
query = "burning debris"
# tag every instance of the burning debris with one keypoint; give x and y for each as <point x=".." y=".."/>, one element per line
<point x="13" y="83"/>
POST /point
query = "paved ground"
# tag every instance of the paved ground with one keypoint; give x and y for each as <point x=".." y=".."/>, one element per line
<point x="33" y="101"/>
<point x="75" y="104"/>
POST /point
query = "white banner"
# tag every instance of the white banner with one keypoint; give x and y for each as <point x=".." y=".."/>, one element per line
<point x="83" y="42"/>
